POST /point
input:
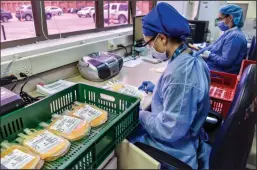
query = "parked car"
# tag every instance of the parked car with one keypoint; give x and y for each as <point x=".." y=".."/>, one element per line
<point x="80" y="8"/>
<point x="73" y="10"/>
<point x="118" y="12"/>
<point x="86" y="12"/>
<point x="55" y="10"/>
<point x="25" y="12"/>
<point x="5" y="15"/>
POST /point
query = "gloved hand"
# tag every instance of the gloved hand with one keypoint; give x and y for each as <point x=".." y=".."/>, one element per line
<point x="205" y="54"/>
<point x="147" y="86"/>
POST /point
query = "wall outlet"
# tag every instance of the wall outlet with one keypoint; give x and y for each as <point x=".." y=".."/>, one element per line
<point x="16" y="67"/>
<point x="111" y="45"/>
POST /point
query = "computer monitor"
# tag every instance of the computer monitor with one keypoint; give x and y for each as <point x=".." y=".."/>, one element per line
<point x="191" y="37"/>
<point x="201" y="30"/>
<point x="138" y="38"/>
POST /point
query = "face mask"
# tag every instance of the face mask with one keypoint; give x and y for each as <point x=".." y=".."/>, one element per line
<point x="223" y="26"/>
<point x="156" y="54"/>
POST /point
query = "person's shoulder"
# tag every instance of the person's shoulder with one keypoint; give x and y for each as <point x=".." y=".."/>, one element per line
<point x="237" y="34"/>
<point x="185" y="63"/>
<point x="182" y="60"/>
<point x="189" y="70"/>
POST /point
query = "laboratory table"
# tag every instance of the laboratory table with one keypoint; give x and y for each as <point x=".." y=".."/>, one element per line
<point x="133" y="76"/>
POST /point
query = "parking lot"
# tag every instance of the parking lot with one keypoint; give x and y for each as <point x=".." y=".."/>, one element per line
<point x="15" y="29"/>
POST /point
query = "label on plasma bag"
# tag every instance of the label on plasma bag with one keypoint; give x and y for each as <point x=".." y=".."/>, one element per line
<point x="66" y="124"/>
<point x="88" y="113"/>
<point x="130" y="91"/>
<point x="16" y="159"/>
<point x="44" y="142"/>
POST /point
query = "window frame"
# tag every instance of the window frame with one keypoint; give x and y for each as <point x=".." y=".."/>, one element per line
<point x="41" y="29"/>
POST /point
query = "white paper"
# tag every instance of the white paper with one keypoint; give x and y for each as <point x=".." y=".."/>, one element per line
<point x="127" y="89"/>
<point x="131" y="90"/>
<point x="88" y="113"/>
<point x="158" y="70"/>
<point x="66" y="124"/>
<point x="132" y="63"/>
<point x="44" y="142"/>
<point x="16" y="159"/>
<point x="54" y="87"/>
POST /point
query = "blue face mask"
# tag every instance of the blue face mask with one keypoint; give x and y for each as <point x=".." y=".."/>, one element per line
<point x="223" y="26"/>
<point x="159" y="55"/>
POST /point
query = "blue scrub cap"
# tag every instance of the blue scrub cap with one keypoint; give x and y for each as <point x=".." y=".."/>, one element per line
<point x="237" y="13"/>
<point x="166" y="20"/>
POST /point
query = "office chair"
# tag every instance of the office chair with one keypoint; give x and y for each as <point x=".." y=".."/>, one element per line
<point x="232" y="145"/>
<point x="252" y="50"/>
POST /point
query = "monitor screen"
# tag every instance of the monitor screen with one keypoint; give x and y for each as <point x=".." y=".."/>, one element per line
<point x="201" y="30"/>
<point x="137" y="29"/>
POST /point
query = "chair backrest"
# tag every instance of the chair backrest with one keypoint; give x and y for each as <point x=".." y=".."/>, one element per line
<point x="233" y="142"/>
<point x="252" y="50"/>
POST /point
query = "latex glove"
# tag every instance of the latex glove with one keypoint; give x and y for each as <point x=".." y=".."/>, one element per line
<point x="147" y="86"/>
<point x="205" y="54"/>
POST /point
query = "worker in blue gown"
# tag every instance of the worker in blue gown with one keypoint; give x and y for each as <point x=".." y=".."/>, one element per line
<point x="180" y="102"/>
<point x="228" y="51"/>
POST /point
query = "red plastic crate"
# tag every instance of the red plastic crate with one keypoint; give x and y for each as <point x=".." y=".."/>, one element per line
<point x="244" y="64"/>
<point x="222" y="91"/>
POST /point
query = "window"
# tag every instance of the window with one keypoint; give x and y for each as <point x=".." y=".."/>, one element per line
<point x="116" y="14"/>
<point x="114" y="7"/>
<point x="123" y="7"/>
<point x="69" y="16"/>
<point x="16" y="20"/>
<point x="29" y="21"/>
<point x="143" y="7"/>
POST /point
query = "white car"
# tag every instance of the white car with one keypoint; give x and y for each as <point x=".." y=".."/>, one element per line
<point x="118" y="13"/>
<point x="86" y="12"/>
<point x="55" y="10"/>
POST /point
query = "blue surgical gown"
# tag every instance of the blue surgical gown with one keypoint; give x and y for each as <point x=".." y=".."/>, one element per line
<point x="227" y="52"/>
<point x="180" y="106"/>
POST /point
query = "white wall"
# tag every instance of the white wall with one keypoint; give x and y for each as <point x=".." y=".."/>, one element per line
<point x="186" y="8"/>
<point x="251" y="12"/>
<point x="178" y="5"/>
<point x="191" y="9"/>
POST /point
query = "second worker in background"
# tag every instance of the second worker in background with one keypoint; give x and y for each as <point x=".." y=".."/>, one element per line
<point x="228" y="51"/>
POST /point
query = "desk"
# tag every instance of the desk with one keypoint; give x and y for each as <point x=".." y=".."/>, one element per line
<point x="132" y="76"/>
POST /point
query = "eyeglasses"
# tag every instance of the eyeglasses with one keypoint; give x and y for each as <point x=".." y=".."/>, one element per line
<point x="145" y="44"/>
<point x="221" y="18"/>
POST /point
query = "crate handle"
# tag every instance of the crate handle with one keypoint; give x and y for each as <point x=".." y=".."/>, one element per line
<point x="107" y="97"/>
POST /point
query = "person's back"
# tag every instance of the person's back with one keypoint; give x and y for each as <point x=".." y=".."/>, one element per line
<point x="236" y="52"/>
<point x="190" y="76"/>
